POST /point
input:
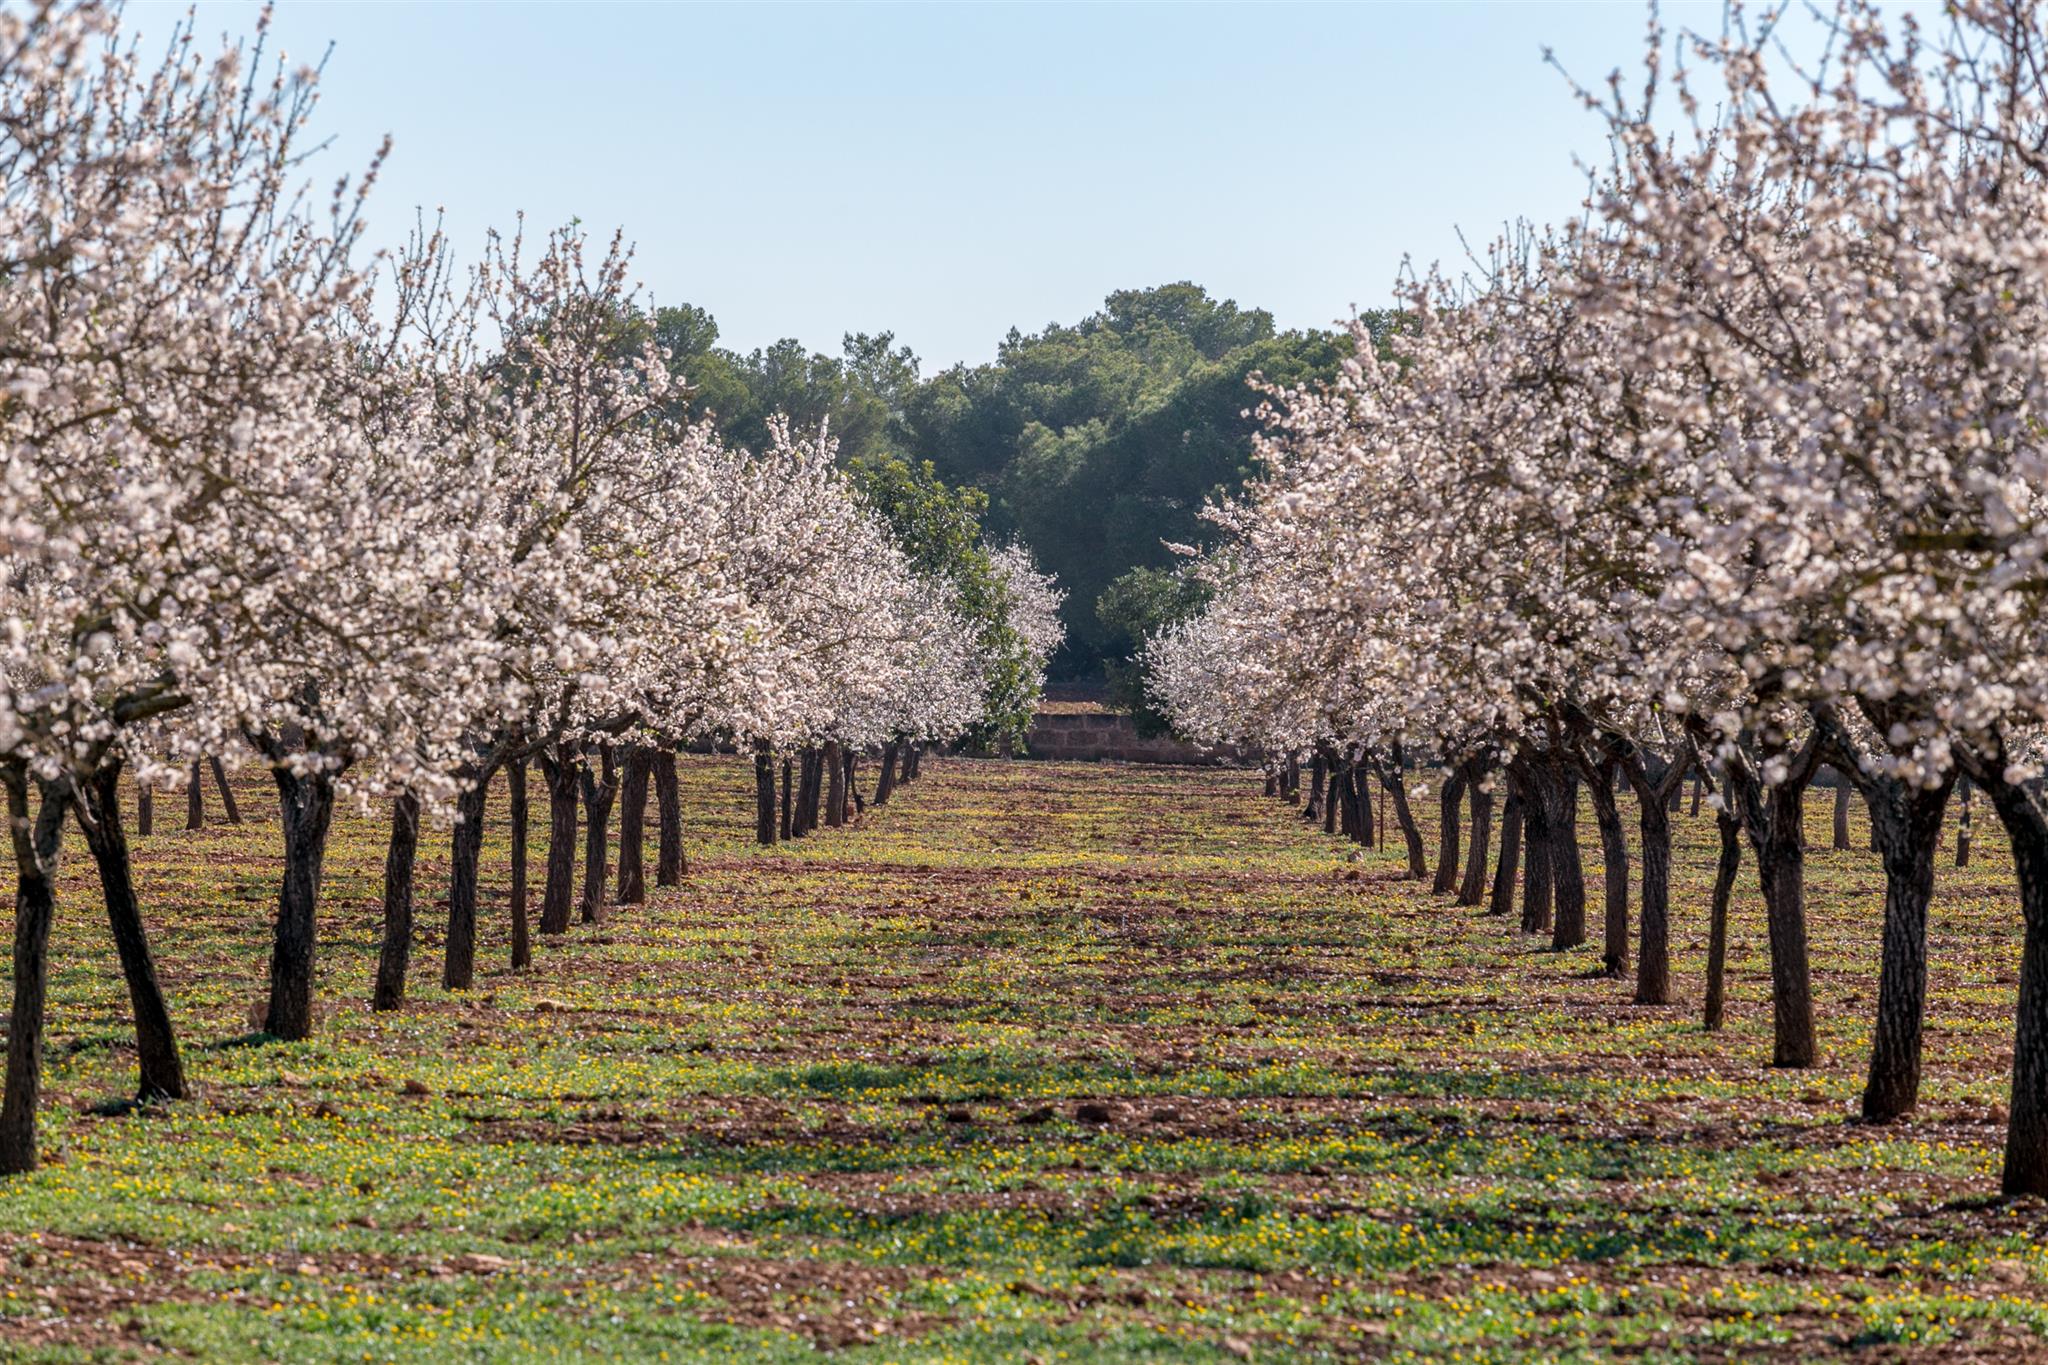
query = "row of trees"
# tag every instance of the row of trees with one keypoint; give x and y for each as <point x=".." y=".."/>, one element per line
<point x="385" y="527"/>
<point x="1742" y="474"/>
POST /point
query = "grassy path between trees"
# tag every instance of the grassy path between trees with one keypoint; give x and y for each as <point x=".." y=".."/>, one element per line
<point x="1042" y="1062"/>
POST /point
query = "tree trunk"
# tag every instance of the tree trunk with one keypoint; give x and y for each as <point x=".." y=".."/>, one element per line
<point x="1318" y="773"/>
<point x="764" y="793"/>
<point x="1698" y="785"/>
<point x="36" y="847"/>
<point x="515" y="801"/>
<point x="853" y="782"/>
<point x="1272" y="782"/>
<point x="1653" y="960"/>
<point x="1909" y="833"/>
<point x="145" y="811"/>
<point x="1450" y="823"/>
<point x="1338" y="813"/>
<point x="1539" y="873"/>
<point x="633" y="825"/>
<point x="1775" y="834"/>
<point x="671" y="863"/>
<point x="1841" y="812"/>
<point x="1553" y="791"/>
<point x="465" y="865"/>
<point x="835" y="795"/>
<point x="1510" y="856"/>
<point x="1390" y="778"/>
<point x="307" y="806"/>
<point x="886" y="782"/>
<point x="1717" y="924"/>
<point x="559" y="771"/>
<point x="227" y="792"/>
<point x="788" y="798"/>
<point x="1963" y="828"/>
<point x="161" y="1074"/>
<point x="599" y="788"/>
<point x="2026" y="1135"/>
<point x="195" y="798"/>
<point x="1473" y="889"/>
<point x="389" y="992"/>
<point x="1294" y="779"/>
<point x="1614" y="870"/>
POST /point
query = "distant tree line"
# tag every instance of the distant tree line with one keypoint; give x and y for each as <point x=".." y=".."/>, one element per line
<point x="1094" y="443"/>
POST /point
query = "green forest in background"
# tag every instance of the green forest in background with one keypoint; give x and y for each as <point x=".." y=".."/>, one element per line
<point x="1093" y="443"/>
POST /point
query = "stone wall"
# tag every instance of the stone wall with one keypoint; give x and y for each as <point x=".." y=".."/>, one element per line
<point x="1073" y="734"/>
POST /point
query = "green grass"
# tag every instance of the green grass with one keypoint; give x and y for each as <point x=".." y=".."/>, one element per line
<point x="1041" y="1062"/>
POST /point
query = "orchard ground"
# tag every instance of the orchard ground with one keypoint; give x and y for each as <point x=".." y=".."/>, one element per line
<point x="1041" y="1062"/>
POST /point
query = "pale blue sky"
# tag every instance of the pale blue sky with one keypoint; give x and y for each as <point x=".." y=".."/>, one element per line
<point x="947" y="172"/>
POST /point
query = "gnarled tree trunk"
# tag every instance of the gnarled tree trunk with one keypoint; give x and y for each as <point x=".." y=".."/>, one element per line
<point x="1450" y="822"/>
<point x="515" y="802"/>
<point x="1729" y="864"/>
<point x="37" y="843"/>
<point x="599" y="788"/>
<point x="161" y="1074"/>
<point x="1614" y="868"/>
<point x="764" y="793"/>
<point x="306" y="802"/>
<point x="835" y="795"/>
<point x="633" y="825"/>
<point x="1390" y="778"/>
<point x="671" y="862"/>
<point x="396" y="951"/>
<point x="227" y="791"/>
<point x="558" y="770"/>
<point x="1503" y="898"/>
<point x="885" y="784"/>
<point x="465" y="865"/>
<point x="1472" y="890"/>
<point x="1908" y="834"/>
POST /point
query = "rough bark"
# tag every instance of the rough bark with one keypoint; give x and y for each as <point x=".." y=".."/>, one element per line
<point x="1554" y="793"/>
<point x="1473" y="889"/>
<point x="1538" y="873"/>
<point x="306" y="802"/>
<point x="1963" y="827"/>
<point x="1908" y="836"/>
<point x="764" y="793"/>
<point x="1653" y="957"/>
<point x="1841" y="842"/>
<point x="633" y="825"/>
<point x="465" y="862"/>
<point x="835" y="795"/>
<point x="1772" y="818"/>
<point x="36" y="847"/>
<point x="515" y="802"/>
<point x="2020" y="810"/>
<point x="396" y="951"/>
<point x="1614" y="868"/>
<point x="145" y="812"/>
<point x="788" y="797"/>
<point x="885" y="783"/>
<point x="1503" y="899"/>
<point x="600" y="787"/>
<point x="1337" y="814"/>
<point x="1390" y="779"/>
<point x="1318" y="774"/>
<point x="160" y="1072"/>
<point x="671" y="862"/>
<point x="558" y="770"/>
<point x="227" y="791"/>
<point x="1725" y="870"/>
<point x="195" y="797"/>
<point x="1450" y="823"/>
